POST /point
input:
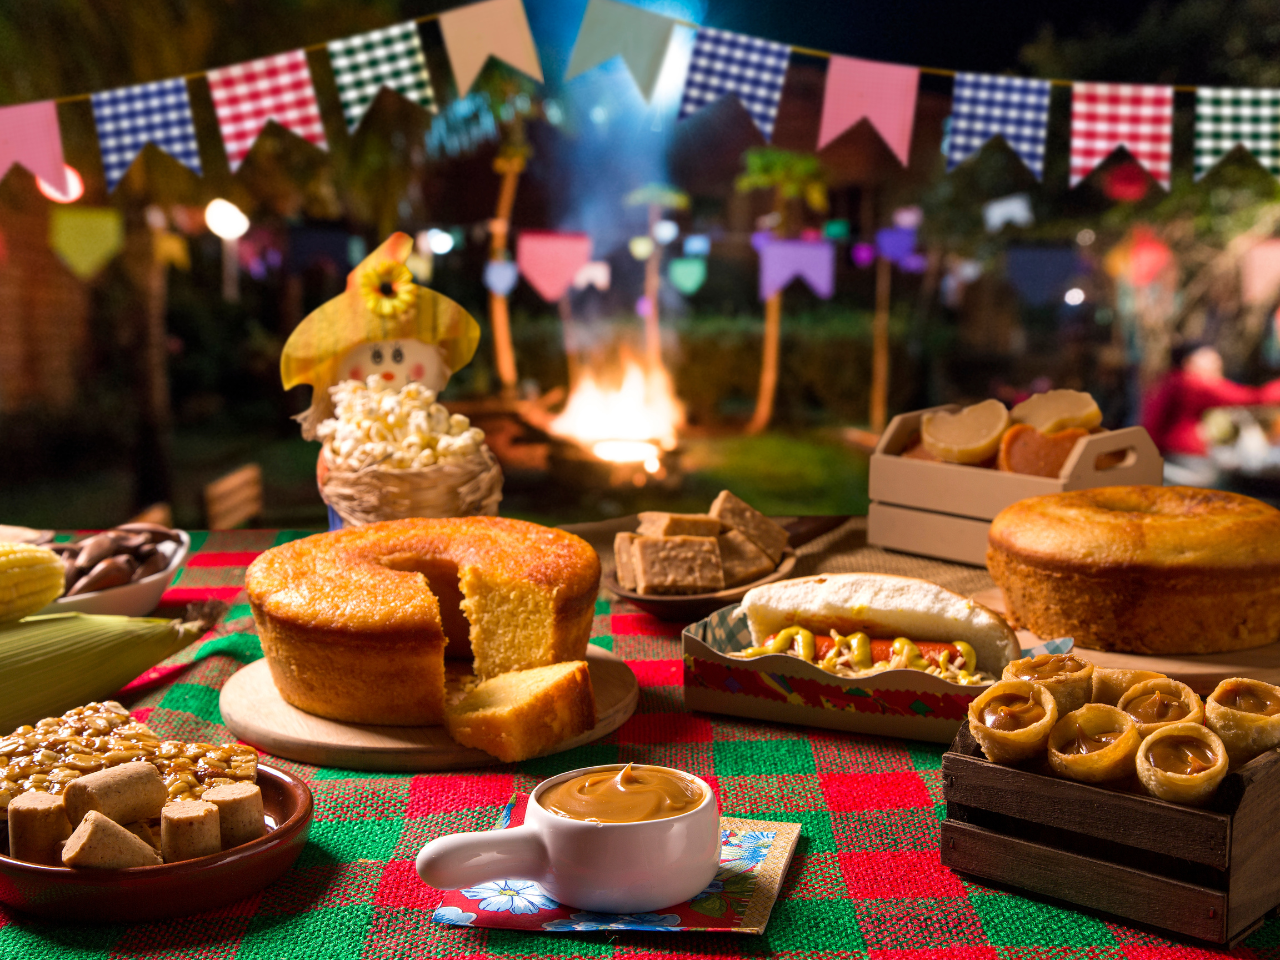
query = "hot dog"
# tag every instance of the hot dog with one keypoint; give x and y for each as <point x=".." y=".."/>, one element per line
<point x="852" y="624"/>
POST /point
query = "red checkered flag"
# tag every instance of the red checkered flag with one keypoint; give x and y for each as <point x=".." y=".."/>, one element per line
<point x="1138" y="117"/>
<point x="247" y="95"/>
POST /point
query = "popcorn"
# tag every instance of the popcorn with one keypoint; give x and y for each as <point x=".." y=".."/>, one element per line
<point x="403" y="430"/>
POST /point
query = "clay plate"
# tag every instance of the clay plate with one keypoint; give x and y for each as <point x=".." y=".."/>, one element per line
<point x="171" y="889"/>
<point x="688" y="607"/>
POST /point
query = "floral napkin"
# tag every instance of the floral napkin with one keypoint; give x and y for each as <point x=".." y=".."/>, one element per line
<point x="754" y="855"/>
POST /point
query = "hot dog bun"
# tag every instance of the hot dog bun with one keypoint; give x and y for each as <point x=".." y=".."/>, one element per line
<point x="881" y="606"/>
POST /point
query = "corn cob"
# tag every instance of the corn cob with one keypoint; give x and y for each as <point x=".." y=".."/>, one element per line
<point x="31" y="578"/>
<point x="53" y="662"/>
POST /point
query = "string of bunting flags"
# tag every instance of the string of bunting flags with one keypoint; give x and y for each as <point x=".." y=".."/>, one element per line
<point x="246" y="96"/>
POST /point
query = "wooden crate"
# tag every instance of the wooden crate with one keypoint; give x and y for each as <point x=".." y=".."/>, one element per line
<point x="944" y="509"/>
<point x="1207" y="873"/>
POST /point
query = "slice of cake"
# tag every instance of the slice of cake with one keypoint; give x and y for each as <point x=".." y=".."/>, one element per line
<point x="677" y="565"/>
<point x="521" y="714"/>
<point x="759" y="529"/>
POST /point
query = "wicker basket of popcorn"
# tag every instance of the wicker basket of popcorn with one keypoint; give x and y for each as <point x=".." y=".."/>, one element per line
<point x="390" y="450"/>
<point x="390" y="454"/>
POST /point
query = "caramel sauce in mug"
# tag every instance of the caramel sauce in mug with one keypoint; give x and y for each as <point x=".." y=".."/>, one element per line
<point x="629" y="795"/>
<point x="1011" y="711"/>
<point x="1046" y="666"/>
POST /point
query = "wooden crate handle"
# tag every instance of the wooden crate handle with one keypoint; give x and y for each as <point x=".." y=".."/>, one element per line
<point x="1142" y="463"/>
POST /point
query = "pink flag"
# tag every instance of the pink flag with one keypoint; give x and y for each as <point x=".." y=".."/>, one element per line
<point x="29" y="135"/>
<point x="1136" y="116"/>
<point x="550" y="261"/>
<point x="884" y="93"/>
<point x="248" y="95"/>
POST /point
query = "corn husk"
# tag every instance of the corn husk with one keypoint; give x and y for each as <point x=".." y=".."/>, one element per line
<point x="51" y="663"/>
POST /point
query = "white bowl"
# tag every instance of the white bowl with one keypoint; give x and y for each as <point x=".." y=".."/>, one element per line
<point x="129" y="599"/>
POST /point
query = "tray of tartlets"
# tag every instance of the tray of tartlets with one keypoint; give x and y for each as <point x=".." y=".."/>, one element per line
<point x="1121" y="791"/>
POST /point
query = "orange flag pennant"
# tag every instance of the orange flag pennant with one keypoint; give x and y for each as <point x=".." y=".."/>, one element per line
<point x="883" y="93"/>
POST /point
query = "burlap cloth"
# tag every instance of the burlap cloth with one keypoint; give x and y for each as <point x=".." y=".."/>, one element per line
<point x="843" y="550"/>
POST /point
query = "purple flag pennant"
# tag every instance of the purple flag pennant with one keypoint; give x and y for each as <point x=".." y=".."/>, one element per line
<point x="813" y="261"/>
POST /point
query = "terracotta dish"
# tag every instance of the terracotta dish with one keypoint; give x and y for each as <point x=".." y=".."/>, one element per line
<point x="171" y="889"/>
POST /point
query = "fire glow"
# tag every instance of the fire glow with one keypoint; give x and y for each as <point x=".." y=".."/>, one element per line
<point x="633" y="422"/>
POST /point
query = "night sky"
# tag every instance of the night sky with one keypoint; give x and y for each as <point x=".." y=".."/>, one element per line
<point x="953" y="35"/>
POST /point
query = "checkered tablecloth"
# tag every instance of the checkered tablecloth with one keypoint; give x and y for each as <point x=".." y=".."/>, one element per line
<point x="866" y="880"/>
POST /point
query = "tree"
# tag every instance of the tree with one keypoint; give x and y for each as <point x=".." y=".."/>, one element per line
<point x="1210" y="224"/>
<point x="792" y="177"/>
<point x="514" y="103"/>
<point x="658" y="197"/>
<point x="62" y="47"/>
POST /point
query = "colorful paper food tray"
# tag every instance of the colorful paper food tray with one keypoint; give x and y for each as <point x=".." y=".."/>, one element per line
<point x="896" y="703"/>
<point x="754" y="856"/>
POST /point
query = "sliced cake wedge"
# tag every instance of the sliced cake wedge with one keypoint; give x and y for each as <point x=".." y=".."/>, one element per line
<point x="521" y="714"/>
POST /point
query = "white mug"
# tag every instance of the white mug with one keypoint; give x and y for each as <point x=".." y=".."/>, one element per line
<point x="600" y="867"/>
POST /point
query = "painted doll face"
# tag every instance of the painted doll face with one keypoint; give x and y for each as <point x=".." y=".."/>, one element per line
<point x="397" y="362"/>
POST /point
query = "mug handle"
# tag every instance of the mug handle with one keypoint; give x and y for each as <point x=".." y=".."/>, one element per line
<point x="465" y="859"/>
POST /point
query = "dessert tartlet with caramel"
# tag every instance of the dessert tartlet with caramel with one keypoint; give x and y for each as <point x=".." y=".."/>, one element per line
<point x="1159" y="737"/>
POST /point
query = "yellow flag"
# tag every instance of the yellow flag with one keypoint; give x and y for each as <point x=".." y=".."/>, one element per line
<point x="86" y="238"/>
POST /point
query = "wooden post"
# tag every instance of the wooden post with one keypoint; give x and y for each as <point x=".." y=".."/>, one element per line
<point x="569" y="332"/>
<point x="769" y="365"/>
<point x="880" y="348"/>
<point x="504" y="354"/>
<point x="652" y="283"/>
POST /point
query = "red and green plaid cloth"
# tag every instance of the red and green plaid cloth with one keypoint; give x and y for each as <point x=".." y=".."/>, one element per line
<point x="866" y="880"/>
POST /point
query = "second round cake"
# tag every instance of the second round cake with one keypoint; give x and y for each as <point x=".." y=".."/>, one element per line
<point x="1141" y="569"/>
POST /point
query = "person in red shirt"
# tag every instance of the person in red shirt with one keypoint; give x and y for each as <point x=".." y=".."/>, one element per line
<point x="1173" y="408"/>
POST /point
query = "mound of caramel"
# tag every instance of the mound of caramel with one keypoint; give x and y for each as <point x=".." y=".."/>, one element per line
<point x="628" y="795"/>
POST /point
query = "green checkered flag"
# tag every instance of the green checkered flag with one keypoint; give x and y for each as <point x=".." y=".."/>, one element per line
<point x="391" y="57"/>
<point x="1226" y="116"/>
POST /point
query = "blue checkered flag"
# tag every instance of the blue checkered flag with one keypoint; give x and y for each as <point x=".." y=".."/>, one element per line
<point x="391" y="57"/>
<point x="128" y="118"/>
<point x="749" y="68"/>
<point x="984" y="106"/>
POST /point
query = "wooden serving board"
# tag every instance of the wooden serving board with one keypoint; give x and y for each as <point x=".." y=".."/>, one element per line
<point x="256" y="713"/>
<point x="1201" y="672"/>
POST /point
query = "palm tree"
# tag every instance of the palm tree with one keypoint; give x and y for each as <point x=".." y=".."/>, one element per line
<point x="791" y="176"/>
<point x="513" y="101"/>
<point x="658" y="197"/>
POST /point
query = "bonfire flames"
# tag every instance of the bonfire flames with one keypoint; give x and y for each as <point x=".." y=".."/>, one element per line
<point x="634" y="421"/>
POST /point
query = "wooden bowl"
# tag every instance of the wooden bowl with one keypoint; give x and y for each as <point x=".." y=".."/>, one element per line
<point x="171" y="889"/>
<point x="688" y="607"/>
